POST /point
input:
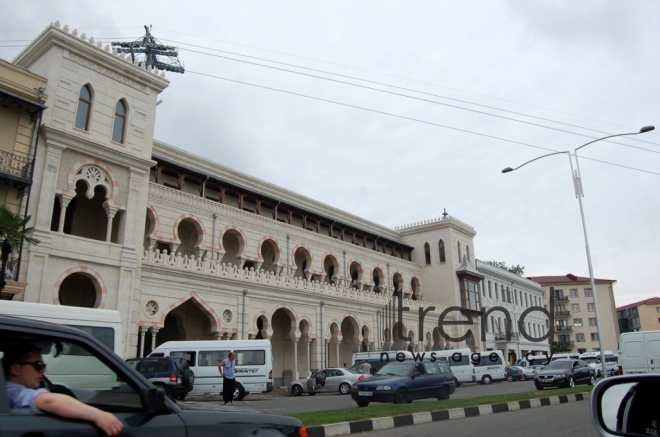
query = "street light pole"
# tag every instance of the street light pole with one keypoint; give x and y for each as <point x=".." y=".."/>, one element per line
<point x="577" y="184"/>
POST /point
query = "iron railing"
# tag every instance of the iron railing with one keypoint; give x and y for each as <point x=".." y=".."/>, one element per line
<point x="15" y="165"/>
<point x="562" y="313"/>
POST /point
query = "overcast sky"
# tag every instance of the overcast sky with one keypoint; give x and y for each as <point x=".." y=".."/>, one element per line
<point x="591" y="64"/>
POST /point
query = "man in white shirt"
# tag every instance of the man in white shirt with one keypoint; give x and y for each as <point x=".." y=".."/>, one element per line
<point x="24" y="370"/>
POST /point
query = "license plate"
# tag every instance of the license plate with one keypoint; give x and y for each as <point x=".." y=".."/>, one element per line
<point x="365" y="393"/>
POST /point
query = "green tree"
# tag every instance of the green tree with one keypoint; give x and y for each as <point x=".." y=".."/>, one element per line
<point x="517" y="269"/>
<point x="557" y="347"/>
<point x="13" y="231"/>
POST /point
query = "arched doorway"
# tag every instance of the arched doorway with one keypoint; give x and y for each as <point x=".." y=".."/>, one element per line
<point x="331" y="269"/>
<point x="78" y="290"/>
<point x="185" y="322"/>
<point x="303" y="260"/>
<point x="283" y="353"/>
<point x="378" y="279"/>
<point x="270" y="255"/>
<point x="232" y="244"/>
<point x="349" y="340"/>
<point x="189" y="237"/>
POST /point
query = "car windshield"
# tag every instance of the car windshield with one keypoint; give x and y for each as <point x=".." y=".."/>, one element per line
<point x="396" y="369"/>
<point x="559" y="365"/>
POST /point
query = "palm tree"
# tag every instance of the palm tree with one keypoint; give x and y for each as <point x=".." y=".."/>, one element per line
<point x="12" y="232"/>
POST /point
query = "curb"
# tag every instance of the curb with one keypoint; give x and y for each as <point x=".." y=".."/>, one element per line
<point x="358" y="426"/>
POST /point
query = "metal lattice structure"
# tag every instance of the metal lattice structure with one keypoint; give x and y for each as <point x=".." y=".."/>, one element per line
<point x="151" y="53"/>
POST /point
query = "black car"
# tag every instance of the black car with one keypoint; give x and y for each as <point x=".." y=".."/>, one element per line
<point x="80" y="366"/>
<point x="513" y="373"/>
<point x="403" y="382"/>
<point x="171" y="374"/>
<point x="565" y="373"/>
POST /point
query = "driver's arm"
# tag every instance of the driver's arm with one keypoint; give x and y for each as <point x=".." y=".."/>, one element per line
<point x="66" y="406"/>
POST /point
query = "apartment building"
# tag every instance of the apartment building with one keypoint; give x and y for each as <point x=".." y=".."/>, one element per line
<point x="575" y="314"/>
<point x="640" y="316"/>
<point x="22" y="99"/>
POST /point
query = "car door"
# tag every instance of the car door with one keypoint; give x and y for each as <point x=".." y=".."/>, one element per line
<point x="435" y="380"/>
<point x="419" y="382"/>
<point x="652" y="340"/>
<point x="320" y="377"/>
<point x="333" y="379"/>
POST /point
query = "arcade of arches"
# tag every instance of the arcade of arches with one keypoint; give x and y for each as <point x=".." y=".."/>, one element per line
<point x="293" y="339"/>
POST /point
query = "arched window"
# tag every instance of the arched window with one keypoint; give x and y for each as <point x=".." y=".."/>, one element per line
<point x="84" y="108"/>
<point x="120" y="121"/>
<point x="441" y="248"/>
<point x="427" y="253"/>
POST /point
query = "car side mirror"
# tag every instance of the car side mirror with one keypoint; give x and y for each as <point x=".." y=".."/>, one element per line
<point x="415" y="373"/>
<point x="153" y="400"/>
<point x="626" y="405"/>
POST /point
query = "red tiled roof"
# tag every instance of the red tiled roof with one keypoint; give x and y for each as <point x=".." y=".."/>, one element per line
<point x="570" y="278"/>
<point x="650" y="301"/>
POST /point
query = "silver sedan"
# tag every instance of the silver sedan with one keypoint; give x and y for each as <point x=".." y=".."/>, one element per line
<point x="331" y="380"/>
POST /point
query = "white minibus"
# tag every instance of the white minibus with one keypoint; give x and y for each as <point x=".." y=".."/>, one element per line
<point x="254" y="363"/>
<point x="594" y="359"/>
<point x="459" y="361"/>
<point x="104" y="325"/>
<point x="639" y="352"/>
<point x="489" y="367"/>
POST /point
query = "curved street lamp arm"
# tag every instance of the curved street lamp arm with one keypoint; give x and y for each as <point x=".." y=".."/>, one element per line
<point x="642" y="130"/>
<point x="508" y="169"/>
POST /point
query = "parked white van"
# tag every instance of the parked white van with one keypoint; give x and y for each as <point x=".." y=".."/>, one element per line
<point x="460" y="363"/>
<point x="254" y="363"/>
<point x="594" y="359"/>
<point x="378" y="359"/>
<point x="489" y="367"/>
<point x="639" y="352"/>
<point x="104" y="325"/>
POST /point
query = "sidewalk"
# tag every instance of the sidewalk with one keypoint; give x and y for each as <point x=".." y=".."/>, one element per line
<point x="346" y="428"/>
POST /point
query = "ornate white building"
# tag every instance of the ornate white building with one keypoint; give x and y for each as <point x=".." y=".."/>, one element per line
<point x="189" y="249"/>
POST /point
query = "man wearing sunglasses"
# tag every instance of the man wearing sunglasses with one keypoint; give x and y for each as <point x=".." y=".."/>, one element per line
<point x="24" y="371"/>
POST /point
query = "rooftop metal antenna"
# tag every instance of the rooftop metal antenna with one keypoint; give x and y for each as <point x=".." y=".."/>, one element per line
<point x="155" y="54"/>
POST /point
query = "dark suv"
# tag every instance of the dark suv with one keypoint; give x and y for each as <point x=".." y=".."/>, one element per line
<point x="171" y="374"/>
<point x="82" y="367"/>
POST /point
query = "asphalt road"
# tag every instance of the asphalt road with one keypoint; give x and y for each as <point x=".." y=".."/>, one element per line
<point x="320" y="402"/>
<point x="572" y="419"/>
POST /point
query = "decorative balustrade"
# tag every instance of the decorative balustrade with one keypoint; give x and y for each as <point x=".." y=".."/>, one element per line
<point x="15" y="165"/>
<point x="206" y="266"/>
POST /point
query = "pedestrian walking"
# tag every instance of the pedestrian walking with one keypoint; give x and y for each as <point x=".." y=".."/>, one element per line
<point x="226" y="368"/>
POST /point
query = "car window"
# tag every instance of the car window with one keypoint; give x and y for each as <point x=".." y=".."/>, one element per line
<point x="444" y="368"/>
<point x="419" y="367"/>
<point x="188" y="356"/>
<point x="75" y="369"/>
<point x="251" y="358"/>
<point x="431" y="368"/>
<point x="211" y="358"/>
<point x="396" y="369"/>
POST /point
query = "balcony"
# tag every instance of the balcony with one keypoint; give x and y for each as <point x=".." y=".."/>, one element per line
<point x="15" y="171"/>
<point x="563" y="328"/>
<point x="561" y="299"/>
<point x="562" y="313"/>
<point x="501" y="336"/>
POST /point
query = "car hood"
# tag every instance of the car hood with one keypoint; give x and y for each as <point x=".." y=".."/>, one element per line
<point x="554" y="372"/>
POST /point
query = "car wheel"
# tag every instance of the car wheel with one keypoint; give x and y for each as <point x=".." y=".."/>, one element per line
<point x="344" y="388"/>
<point x="592" y="380"/>
<point x="458" y="384"/>
<point x="239" y="392"/>
<point x="401" y="397"/>
<point x="362" y="403"/>
<point x="509" y="378"/>
<point x="524" y="378"/>
<point x="538" y="386"/>
<point x="181" y="397"/>
<point x="444" y="393"/>
<point x="487" y="380"/>
<point x="571" y="382"/>
<point x="296" y="390"/>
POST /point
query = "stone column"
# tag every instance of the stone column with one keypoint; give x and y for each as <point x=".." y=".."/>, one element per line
<point x="308" y="341"/>
<point x="337" y="343"/>
<point x="64" y="203"/>
<point x="326" y="353"/>
<point x="295" y="358"/>
<point x="143" y="330"/>
<point x="110" y="211"/>
<point x="154" y="331"/>
<point x="218" y="335"/>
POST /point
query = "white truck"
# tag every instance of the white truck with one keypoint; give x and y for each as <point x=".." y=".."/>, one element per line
<point x="639" y="352"/>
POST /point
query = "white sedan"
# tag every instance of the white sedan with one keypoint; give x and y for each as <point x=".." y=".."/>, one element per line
<point x="334" y="380"/>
